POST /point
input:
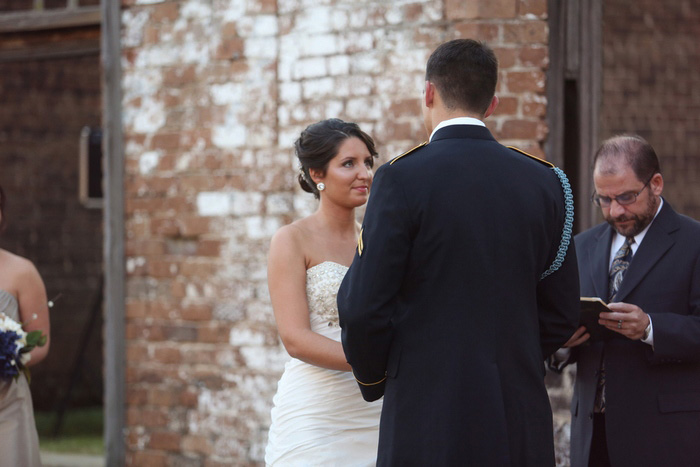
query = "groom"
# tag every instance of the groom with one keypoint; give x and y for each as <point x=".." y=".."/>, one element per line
<point x="462" y="284"/>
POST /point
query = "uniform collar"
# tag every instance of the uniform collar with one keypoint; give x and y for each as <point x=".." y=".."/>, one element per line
<point x="456" y="121"/>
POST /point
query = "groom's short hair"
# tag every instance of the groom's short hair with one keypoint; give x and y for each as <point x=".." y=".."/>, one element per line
<point x="465" y="72"/>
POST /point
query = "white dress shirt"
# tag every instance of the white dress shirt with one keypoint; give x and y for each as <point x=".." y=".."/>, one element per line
<point x="456" y="121"/>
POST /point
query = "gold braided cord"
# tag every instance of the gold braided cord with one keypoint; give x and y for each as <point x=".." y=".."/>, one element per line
<point x="369" y="384"/>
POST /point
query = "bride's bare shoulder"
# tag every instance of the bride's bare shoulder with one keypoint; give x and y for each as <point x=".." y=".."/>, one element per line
<point x="16" y="262"/>
<point x="293" y="240"/>
<point x="18" y="273"/>
<point x="298" y="232"/>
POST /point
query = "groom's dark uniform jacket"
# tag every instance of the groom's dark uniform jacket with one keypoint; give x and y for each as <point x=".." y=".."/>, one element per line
<point x="652" y="395"/>
<point x="443" y="310"/>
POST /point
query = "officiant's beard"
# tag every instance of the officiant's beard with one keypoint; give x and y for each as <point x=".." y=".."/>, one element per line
<point x="641" y="221"/>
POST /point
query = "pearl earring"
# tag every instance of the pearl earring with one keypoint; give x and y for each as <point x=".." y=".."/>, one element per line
<point x="321" y="186"/>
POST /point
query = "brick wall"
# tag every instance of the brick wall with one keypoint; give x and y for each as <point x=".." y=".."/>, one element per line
<point x="215" y="92"/>
<point x="45" y="104"/>
<point x="651" y="86"/>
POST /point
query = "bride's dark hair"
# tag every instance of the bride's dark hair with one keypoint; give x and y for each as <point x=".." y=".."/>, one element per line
<point x="319" y="143"/>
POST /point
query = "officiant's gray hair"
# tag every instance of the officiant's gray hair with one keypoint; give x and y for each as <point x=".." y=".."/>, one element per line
<point x="631" y="150"/>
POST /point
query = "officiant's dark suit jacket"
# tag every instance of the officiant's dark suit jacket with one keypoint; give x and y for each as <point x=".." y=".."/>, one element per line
<point x="652" y="396"/>
<point x="443" y="311"/>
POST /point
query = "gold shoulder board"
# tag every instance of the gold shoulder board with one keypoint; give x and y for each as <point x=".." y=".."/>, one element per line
<point x="408" y="152"/>
<point x="541" y="161"/>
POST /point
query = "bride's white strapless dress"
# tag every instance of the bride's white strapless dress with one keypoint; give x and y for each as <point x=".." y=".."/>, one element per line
<point x="319" y="416"/>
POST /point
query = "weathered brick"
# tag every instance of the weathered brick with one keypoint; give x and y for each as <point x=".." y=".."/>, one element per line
<point x="136" y="396"/>
<point x="136" y="309"/>
<point x="486" y="32"/>
<point x="209" y="247"/>
<point x="525" y="81"/>
<point x="145" y="247"/>
<point x="523" y="129"/>
<point x="197" y="268"/>
<point x="213" y="333"/>
<point x="148" y="459"/>
<point x="534" y="106"/>
<point x="164" y="440"/>
<point x="163" y="268"/>
<point x="165" y="12"/>
<point x="534" y="56"/>
<point x="535" y="32"/>
<point x="167" y="355"/>
<point x="480" y="9"/>
<point x="181" y="333"/>
<point x="532" y="7"/>
<point x="164" y="397"/>
<point x="188" y="398"/>
<point x="147" y="418"/>
<point x="506" y="56"/>
<point x="506" y="106"/>
<point x="197" y="445"/>
<point x="200" y="312"/>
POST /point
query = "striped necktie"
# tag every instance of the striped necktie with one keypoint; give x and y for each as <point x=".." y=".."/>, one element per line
<point x="619" y="266"/>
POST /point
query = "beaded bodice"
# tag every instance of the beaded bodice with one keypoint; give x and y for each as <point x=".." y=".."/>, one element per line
<point x="322" y="284"/>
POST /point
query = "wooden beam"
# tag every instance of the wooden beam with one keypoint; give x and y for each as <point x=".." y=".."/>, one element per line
<point x="554" y="145"/>
<point x="591" y="76"/>
<point x="50" y="19"/>
<point x="50" y="51"/>
<point x="114" y="257"/>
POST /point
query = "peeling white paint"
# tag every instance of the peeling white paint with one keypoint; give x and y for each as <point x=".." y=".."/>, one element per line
<point x="232" y="134"/>
<point x="227" y="93"/>
<point x="134" y="23"/>
<point x="148" y="162"/>
<point x="150" y="117"/>
<point x="258" y="227"/>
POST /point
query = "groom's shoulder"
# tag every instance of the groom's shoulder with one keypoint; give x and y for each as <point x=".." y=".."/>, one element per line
<point x="534" y="158"/>
<point x="410" y="151"/>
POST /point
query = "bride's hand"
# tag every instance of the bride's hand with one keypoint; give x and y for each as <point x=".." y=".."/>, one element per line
<point x="579" y="337"/>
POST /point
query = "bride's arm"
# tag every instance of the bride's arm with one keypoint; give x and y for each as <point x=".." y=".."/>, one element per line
<point x="286" y="279"/>
<point x="33" y="307"/>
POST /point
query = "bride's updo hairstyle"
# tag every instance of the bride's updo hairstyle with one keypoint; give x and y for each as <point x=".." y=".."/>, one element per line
<point x="320" y="142"/>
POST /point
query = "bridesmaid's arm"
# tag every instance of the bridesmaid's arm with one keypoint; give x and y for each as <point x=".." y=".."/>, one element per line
<point x="33" y="307"/>
<point x="286" y="278"/>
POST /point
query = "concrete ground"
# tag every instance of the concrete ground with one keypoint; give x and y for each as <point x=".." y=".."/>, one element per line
<point x="55" y="459"/>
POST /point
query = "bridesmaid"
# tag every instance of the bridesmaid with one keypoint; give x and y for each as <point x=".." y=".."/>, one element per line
<point x="22" y="298"/>
<point x="319" y="416"/>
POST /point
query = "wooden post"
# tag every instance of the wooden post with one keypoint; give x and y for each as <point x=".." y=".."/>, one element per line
<point x="113" y="150"/>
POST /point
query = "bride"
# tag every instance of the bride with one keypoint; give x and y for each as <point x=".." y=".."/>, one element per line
<point x="319" y="416"/>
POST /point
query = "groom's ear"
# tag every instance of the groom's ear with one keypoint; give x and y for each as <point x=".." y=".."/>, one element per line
<point x="429" y="94"/>
<point x="492" y="106"/>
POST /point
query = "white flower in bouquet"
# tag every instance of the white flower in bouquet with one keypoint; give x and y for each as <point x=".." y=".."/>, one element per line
<point x="15" y="345"/>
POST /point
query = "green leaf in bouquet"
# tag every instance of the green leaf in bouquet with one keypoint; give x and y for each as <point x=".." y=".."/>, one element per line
<point x="25" y="370"/>
<point x="34" y="339"/>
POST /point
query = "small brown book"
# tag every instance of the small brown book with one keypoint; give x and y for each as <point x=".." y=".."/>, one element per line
<point x="591" y="307"/>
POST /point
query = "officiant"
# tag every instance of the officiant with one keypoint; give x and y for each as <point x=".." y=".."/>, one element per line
<point x="637" y="395"/>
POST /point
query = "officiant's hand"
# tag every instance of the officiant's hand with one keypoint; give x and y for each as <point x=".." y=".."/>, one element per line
<point x="579" y="337"/>
<point x="626" y="319"/>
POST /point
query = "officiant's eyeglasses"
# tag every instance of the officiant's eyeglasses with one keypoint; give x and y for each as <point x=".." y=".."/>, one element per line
<point x="624" y="199"/>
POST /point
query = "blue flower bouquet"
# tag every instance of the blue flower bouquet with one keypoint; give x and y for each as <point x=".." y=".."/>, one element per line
<point x="15" y="345"/>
